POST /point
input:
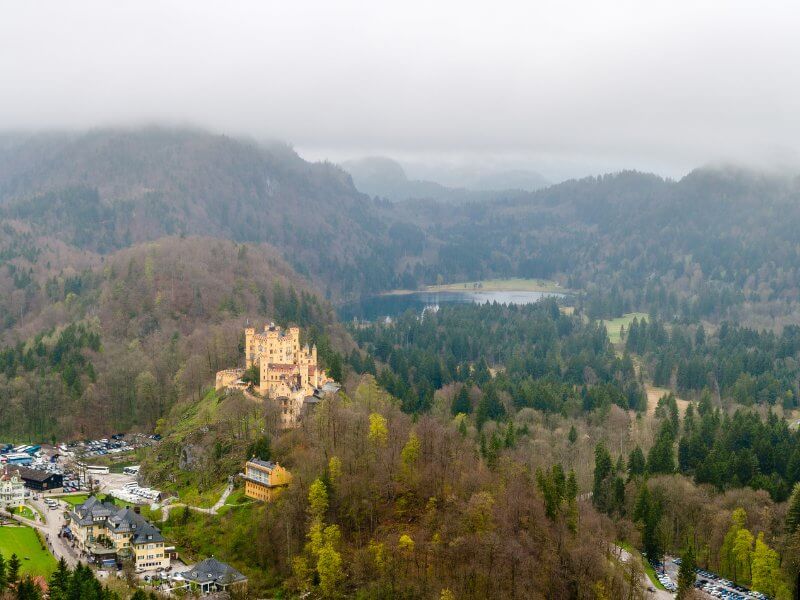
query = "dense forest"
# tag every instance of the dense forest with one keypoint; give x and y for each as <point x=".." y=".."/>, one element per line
<point x="547" y="360"/>
<point x="738" y="363"/>
<point x="475" y="451"/>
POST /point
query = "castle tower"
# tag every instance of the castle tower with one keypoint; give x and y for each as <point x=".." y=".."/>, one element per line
<point x="249" y="351"/>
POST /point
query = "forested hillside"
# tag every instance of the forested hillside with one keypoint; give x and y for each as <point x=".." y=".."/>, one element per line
<point x="108" y="189"/>
<point x="721" y="242"/>
<point x="474" y="451"/>
<point x="115" y="345"/>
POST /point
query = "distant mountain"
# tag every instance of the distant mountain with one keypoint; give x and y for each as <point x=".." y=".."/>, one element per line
<point x="478" y="177"/>
<point x="386" y="178"/>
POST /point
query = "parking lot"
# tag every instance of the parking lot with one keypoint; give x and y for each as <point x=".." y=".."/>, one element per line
<point x="710" y="585"/>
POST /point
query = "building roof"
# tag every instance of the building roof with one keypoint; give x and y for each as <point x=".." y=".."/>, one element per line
<point x="213" y="571"/>
<point x="266" y="464"/>
<point x="35" y="475"/>
<point x="91" y="510"/>
<point x="119" y="520"/>
<point x="129" y="521"/>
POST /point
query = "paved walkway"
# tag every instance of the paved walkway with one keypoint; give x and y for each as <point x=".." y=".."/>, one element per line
<point x="166" y="508"/>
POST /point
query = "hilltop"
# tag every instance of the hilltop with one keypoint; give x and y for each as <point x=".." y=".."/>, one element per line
<point x="117" y="343"/>
<point x="109" y="189"/>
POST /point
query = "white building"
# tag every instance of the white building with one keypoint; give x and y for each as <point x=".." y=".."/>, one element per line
<point x="12" y="489"/>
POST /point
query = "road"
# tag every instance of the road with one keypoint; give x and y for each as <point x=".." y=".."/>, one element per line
<point x="656" y="594"/>
<point x="49" y="528"/>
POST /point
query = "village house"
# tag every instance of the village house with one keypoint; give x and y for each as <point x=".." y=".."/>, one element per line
<point x="210" y="576"/>
<point x="288" y="373"/>
<point x="12" y="489"/>
<point x="105" y="532"/>
<point x="264" y="479"/>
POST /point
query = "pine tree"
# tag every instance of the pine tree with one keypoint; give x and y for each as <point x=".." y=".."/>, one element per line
<point x="573" y="435"/>
<point x="603" y="471"/>
<point x="572" y="501"/>
<point x="13" y="569"/>
<point x="793" y="513"/>
<point x="700" y="336"/>
<point x="489" y="407"/>
<point x="660" y="459"/>
<point x="511" y="436"/>
<point x="549" y="494"/>
<point x="636" y="463"/>
<point x="620" y="466"/>
<point x="461" y="402"/>
<point x="28" y="590"/>
<point x="3" y="573"/>
<point x="647" y="514"/>
<point x="687" y="572"/>
<point x="59" y="580"/>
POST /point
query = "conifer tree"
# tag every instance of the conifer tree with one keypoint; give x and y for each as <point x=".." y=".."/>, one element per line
<point x="636" y="463"/>
<point x="461" y="402"/>
<point x="573" y="435"/>
<point x="13" y="569"/>
<point x="793" y="513"/>
<point x="603" y="478"/>
<point x="687" y="572"/>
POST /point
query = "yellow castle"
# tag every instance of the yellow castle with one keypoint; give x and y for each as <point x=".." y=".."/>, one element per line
<point x="288" y="374"/>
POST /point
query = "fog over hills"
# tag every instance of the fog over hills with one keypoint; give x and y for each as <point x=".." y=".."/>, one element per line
<point x="388" y="178"/>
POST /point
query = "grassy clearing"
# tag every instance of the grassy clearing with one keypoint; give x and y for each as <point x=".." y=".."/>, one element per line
<point x="192" y="496"/>
<point x="74" y="500"/>
<point x="77" y="499"/>
<point x="236" y="500"/>
<point x="654" y="394"/>
<point x="613" y="326"/>
<point x="492" y="285"/>
<point x="196" y="415"/>
<point x="499" y="285"/>
<point x="23" y="542"/>
<point x="25" y="512"/>
<point x="648" y="568"/>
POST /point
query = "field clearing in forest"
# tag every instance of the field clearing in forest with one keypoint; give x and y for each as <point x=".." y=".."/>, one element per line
<point x="613" y="326"/>
<point x="655" y="393"/>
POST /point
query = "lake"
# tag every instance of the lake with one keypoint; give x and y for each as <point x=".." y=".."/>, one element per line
<point x="372" y="308"/>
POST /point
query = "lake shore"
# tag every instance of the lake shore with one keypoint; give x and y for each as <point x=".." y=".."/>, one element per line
<point x="489" y="285"/>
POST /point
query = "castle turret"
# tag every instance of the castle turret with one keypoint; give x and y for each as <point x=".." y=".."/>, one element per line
<point x="249" y="352"/>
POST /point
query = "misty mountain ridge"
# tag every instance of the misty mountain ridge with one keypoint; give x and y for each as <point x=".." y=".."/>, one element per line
<point x="108" y="189"/>
<point x="387" y="178"/>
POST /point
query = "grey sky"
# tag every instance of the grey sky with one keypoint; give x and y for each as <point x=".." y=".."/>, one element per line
<point x="597" y="85"/>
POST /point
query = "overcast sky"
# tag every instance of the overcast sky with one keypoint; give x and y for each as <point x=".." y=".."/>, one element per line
<point x="596" y="85"/>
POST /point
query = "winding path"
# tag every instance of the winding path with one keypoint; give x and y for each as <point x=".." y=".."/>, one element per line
<point x="166" y="508"/>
